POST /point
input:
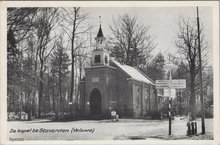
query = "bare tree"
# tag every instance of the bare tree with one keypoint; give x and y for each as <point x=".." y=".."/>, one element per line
<point x="74" y="27"/>
<point x="187" y="44"/>
<point x="45" y="23"/>
<point x="132" y="43"/>
<point x="82" y="61"/>
<point x="155" y="69"/>
<point x="60" y="62"/>
<point x="20" y="24"/>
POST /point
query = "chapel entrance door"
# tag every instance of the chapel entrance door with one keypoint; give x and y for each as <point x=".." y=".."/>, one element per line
<point x="95" y="102"/>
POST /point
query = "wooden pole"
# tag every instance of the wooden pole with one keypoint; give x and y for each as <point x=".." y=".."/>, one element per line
<point x="170" y="115"/>
<point x="200" y="76"/>
<point x="170" y="100"/>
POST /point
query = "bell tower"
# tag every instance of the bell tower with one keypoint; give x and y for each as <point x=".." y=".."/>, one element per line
<point x="100" y="56"/>
<point x="100" y="80"/>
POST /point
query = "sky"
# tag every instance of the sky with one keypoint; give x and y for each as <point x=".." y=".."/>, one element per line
<point x="163" y="22"/>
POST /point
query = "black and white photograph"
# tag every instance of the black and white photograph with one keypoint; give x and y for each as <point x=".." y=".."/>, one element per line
<point x="87" y="72"/>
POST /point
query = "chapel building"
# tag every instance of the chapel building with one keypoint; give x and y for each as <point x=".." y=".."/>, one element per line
<point x="109" y="85"/>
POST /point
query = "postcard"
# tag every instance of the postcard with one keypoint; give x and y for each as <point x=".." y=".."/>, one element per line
<point x="109" y="72"/>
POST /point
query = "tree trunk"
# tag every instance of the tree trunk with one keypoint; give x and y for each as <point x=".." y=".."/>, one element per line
<point x="72" y="82"/>
<point x="21" y="104"/>
<point x="40" y="91"/>
<point x="60" y="85"/>
<point x="72" y="67"/>
<point x="192" y="100"/>
<point x="53" y="93"/>
<point x="29" y="105"/>
<point x="10" y="100"/>
<point x="54" y="101"/>
<point x="180" y="110"/>
<point x="80" y="68"/>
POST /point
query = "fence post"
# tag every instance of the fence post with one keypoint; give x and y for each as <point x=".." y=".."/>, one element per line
<point x="195" y="127"/>
<point x="188" y="127"/>
<point x="193" y="130"/>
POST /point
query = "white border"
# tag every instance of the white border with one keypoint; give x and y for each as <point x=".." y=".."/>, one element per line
<point x="3" y="62"/>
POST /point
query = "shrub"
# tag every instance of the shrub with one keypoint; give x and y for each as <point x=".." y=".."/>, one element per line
<point x="208" y="113"/>
<point x="154" y="114"/>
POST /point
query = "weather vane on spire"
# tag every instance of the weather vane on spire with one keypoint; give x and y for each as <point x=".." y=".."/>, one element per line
<point x="100" y="21"/>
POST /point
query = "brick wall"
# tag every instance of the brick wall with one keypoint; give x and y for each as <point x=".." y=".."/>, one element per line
<point x="128" y="97"/>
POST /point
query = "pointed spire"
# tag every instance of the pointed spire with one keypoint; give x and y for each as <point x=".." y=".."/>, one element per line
<point x="100" y="34"/>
